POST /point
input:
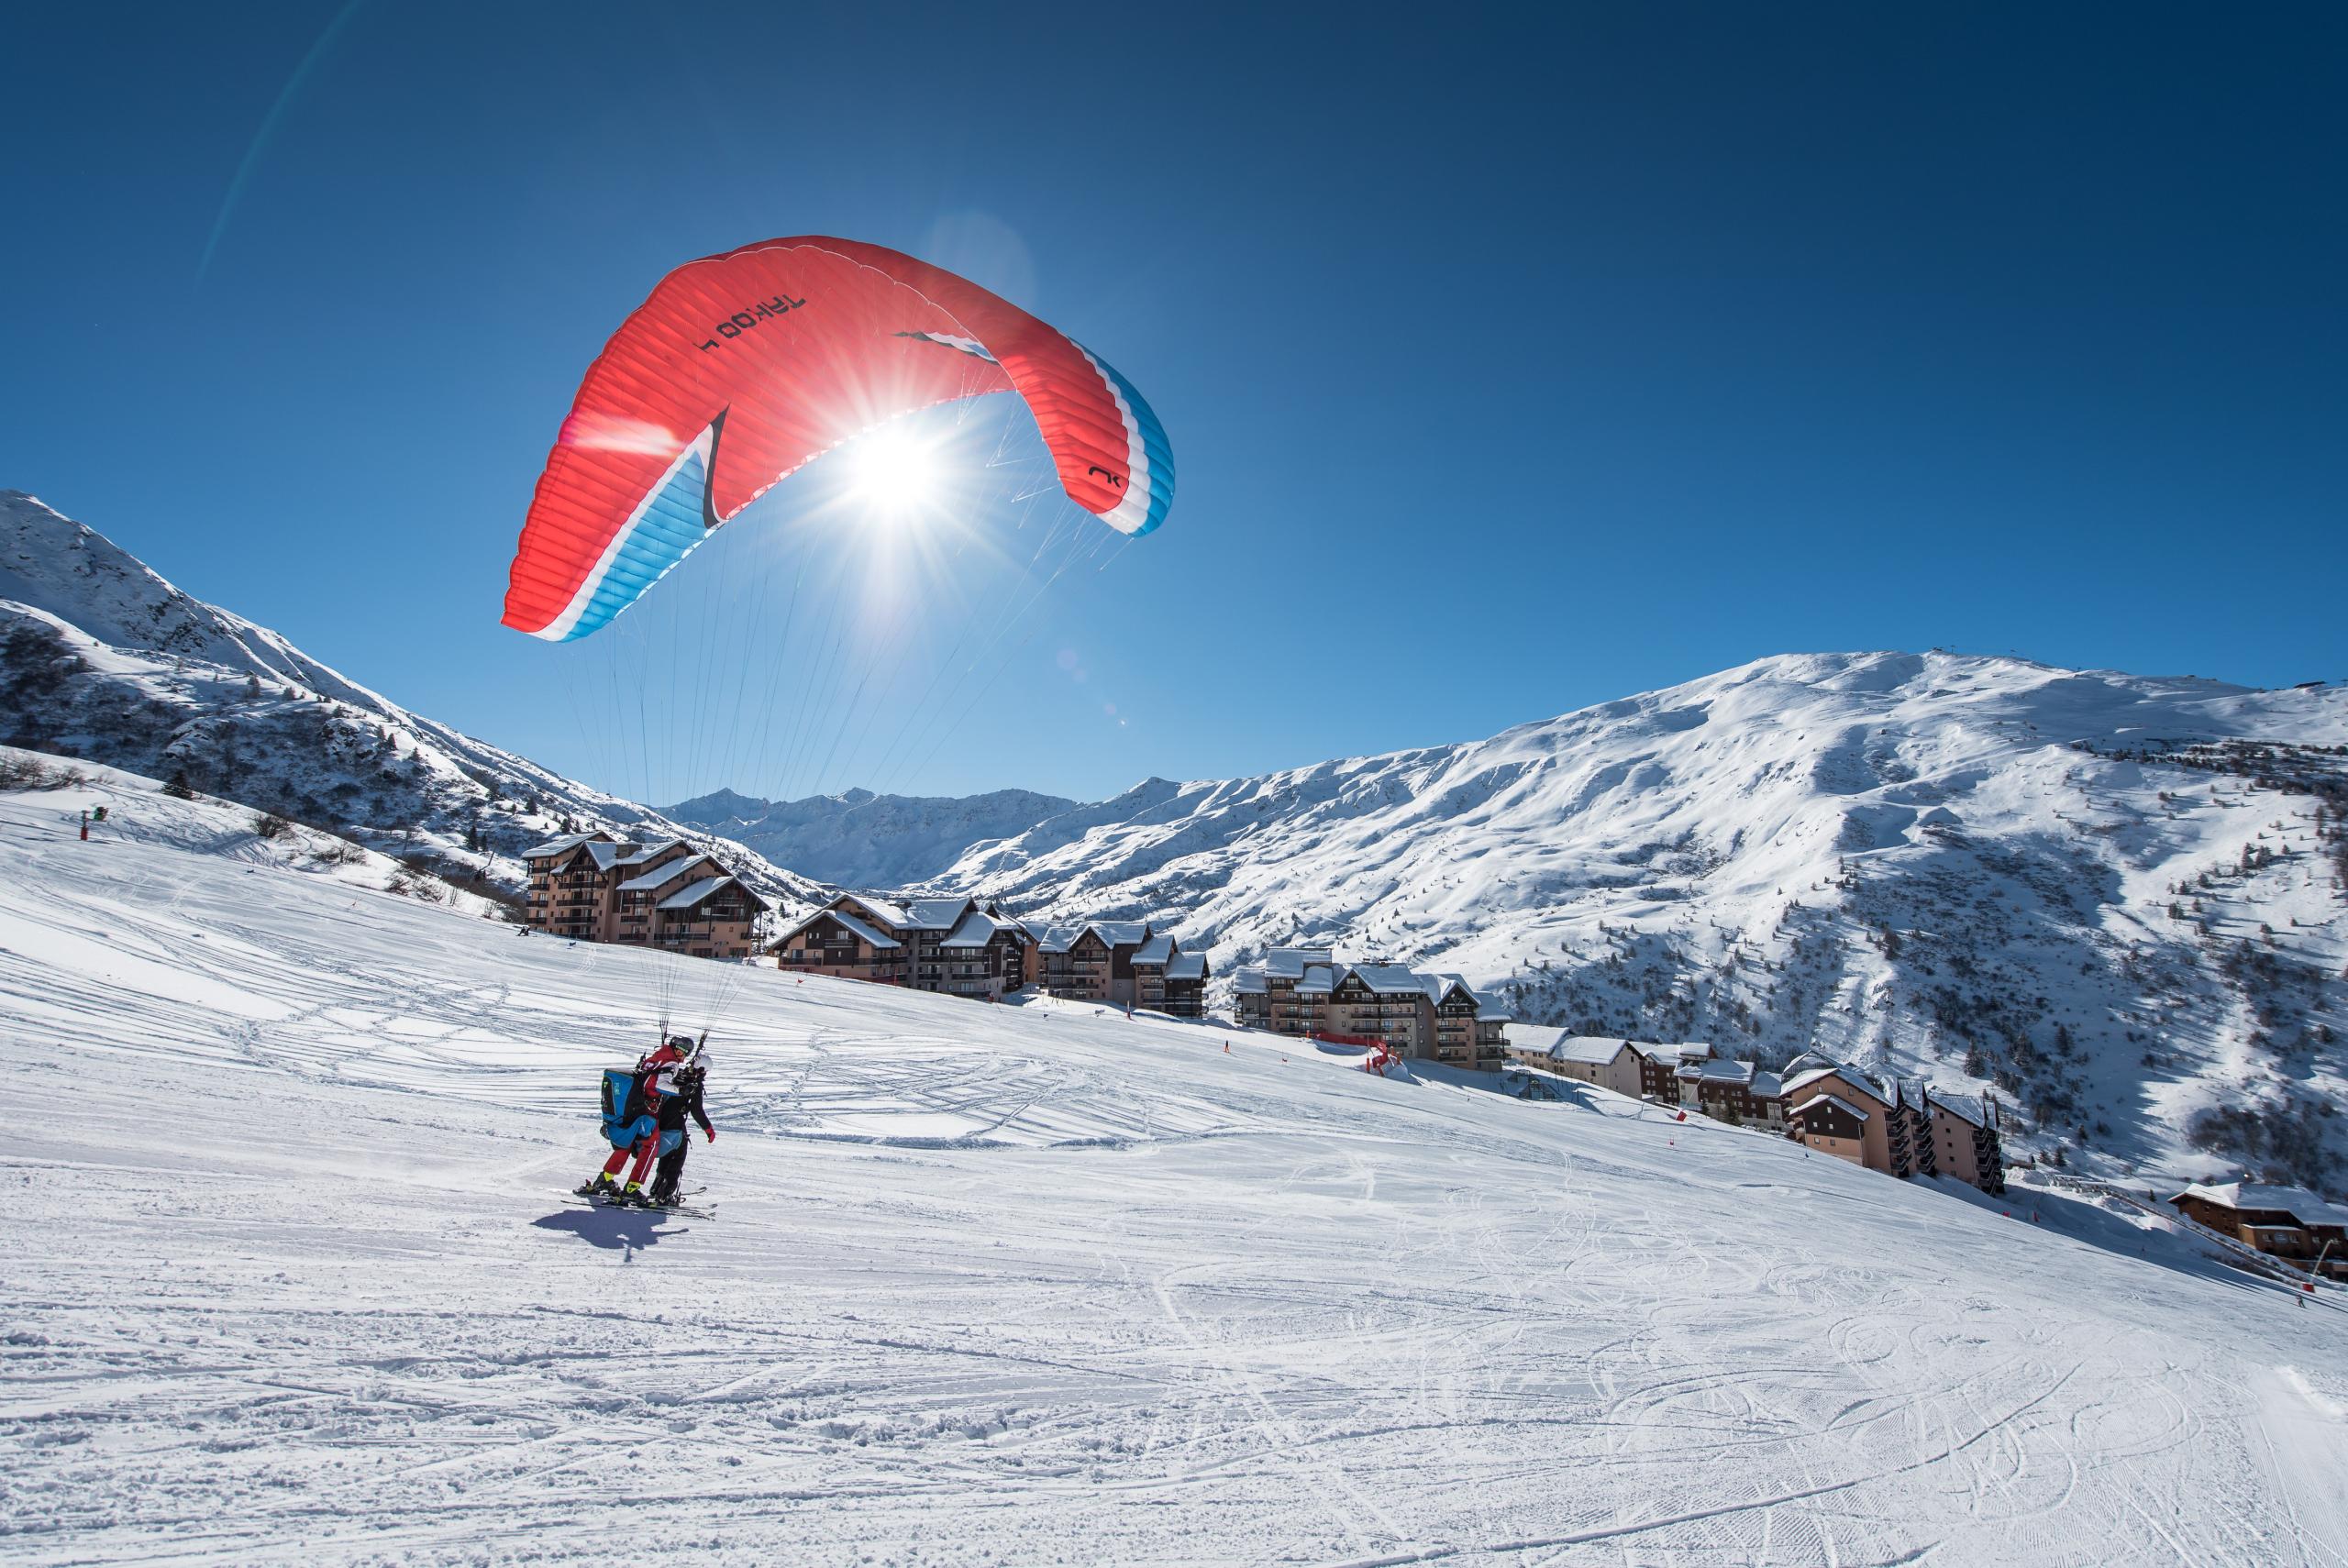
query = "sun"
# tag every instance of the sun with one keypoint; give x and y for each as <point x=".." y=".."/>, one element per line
<point x="893" y="474"/>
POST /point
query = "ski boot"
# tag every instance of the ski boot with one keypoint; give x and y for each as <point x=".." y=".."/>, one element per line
<point x="597" y="1186"/>
<point x="630" y="1196"/>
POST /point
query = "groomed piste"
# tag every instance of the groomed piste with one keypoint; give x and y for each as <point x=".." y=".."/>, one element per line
<point x="291" y="1279"/>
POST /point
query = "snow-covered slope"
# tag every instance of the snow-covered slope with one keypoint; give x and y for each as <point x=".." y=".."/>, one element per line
<point x="102" y="658"/>
<point x="2116" y="898"/>
<point x="289" y="1282"/>
<point x="859" y="839"/>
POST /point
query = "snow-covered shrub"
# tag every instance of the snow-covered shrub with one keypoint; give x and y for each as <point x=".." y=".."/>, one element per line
<point x="22" y="772"/>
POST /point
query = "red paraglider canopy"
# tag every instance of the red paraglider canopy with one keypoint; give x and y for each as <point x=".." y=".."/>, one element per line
<point x="741" y="367"/>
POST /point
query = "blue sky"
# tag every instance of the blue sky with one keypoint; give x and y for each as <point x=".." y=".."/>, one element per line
<point x="1511" y="363"/>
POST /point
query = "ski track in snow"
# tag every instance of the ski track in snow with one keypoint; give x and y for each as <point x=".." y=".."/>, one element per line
<point x="292" y="1279"/>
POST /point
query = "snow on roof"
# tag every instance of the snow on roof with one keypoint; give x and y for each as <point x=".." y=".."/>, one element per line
<point x="1487" y="1009"/>
<point x="1317" y="978"/>
<point x="1111" y="933"/>
<point x="1156" y="950"/>
<point x="637" y="854"/>
<point x="1663" y="1055"/>
<point x="882" y="909"/>
<point x="1964" y="1107"/>
<point x="557" y="846"/>
<point x="848" y="920"/>
<point x="2296" y="1201"/>
<point x="1289" y="962"/>
<point x="1249" y="982"/>
<point x="1723" y="1072"/>
<point x="1189" y="966"/>
<point x="1835" y="1100"/>
<point x="1390" y="980"/>
<point x="974" y="930"/>
<point x="1801" y="1081"/>
<point x="696" y="893"/>
<point x="877" y="938"/>
<point x="1766" y="1085"/>
<point x="661" y="876"/>
<point x="1591" y="1050"/>
<point x="937" y="914"/>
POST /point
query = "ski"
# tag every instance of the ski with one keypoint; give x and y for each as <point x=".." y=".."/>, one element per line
<point x="691" y="1211"/>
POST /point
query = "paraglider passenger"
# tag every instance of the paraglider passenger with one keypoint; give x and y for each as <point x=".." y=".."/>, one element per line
<point x="681" y="1097"/>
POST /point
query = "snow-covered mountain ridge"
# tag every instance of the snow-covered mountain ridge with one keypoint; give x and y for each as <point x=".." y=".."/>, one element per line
<point x="104" y="659"/>
<point x="859" y="839"/>
<point x="2117" y="900"/>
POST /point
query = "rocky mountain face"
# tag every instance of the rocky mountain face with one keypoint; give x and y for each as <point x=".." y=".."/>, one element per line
<point x="2114" y="901"/>
<point x="102" y="658"/>
<point x="859" y="839"/>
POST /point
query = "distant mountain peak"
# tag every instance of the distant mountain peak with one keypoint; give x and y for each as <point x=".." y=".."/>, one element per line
<point x="857" y="838"/>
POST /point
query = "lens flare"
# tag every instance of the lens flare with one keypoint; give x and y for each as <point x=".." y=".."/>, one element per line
<point x="893" y="474"/>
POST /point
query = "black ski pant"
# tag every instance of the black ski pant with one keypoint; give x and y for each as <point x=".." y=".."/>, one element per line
<point x="673" y="1168"/>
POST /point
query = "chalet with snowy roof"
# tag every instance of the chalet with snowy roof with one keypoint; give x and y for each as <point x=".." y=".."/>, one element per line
<point x="1659" y="1066"/>
<point x="1169" y="980"/>
<point x="956" y="946"/>
<point x="1470" y="1028"/>
<point x="2287" y="1222"/>
<point x="665" y="894"/>
<point x="1268" y="997"/>
<point x="1731" y="1091"/>
<point x="1856" y="1097"/>
<point x="1609" y="1064"/>
<point x="1833" y="1125"/>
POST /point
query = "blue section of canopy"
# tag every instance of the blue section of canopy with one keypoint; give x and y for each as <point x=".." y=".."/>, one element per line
<point x="1154" y="444"/>
<point x="669" y="528"/>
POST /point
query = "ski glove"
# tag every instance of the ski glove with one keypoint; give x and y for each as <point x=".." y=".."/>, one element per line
<point x="710" y="1133"/>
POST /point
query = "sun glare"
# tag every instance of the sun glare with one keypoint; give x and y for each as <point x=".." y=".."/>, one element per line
<point x="893" y="474"/>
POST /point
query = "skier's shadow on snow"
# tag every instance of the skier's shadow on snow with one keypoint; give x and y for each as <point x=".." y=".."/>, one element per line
<point x="619" y="1230"/>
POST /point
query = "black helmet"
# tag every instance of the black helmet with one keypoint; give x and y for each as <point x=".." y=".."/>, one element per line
<point x="683" y="1045"/>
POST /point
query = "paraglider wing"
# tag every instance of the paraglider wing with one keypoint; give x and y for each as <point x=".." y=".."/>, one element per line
<point x="741" y="367"/>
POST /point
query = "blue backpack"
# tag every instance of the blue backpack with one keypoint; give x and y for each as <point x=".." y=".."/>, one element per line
<point x="623" y="1099"/>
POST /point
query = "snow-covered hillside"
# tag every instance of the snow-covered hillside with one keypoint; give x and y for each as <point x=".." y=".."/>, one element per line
<point x="290" y="1282"/>
<point x="102" y="658"/>
<point x="2115" y="900"/>
<point x="859" y="839"/>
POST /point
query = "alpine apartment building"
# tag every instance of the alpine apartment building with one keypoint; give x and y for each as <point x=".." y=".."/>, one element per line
<point x="963" y="948"/>
<point x="957" y="946"/>
<point x="1123" y="963"/>
<point x="1308" y="992"/>
<point x="665" y="895"/>
<point x="1902" y="1128"/>
<point x="2287" y="1222"/>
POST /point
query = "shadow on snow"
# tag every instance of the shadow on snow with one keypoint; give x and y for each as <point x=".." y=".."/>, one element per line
<point x="619" y="1230"/>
